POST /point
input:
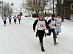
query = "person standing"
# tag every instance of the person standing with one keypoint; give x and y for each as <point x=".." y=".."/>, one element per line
<point x="58" y="23"/>
<point x="51" y="28"/>
<point x="4" y="20"/>
<point x="41" y="23"/>
<point x="15" y="19"/>
<point x="19" y="18"/>
<point x="10" y="19"/>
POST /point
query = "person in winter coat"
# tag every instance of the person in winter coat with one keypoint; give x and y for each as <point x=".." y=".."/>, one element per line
<point x="10" y="19"/>
<point x="4" y="20"/>
<point x="19" y="18"/>
<point x="15" y="19"/>
<point x="51" y="28"/>
<point x="58" y="23"/>
<point x="41" y="23"/>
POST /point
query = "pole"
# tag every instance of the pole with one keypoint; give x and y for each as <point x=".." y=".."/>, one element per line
<point x="2" y="8"/>
<point x="53" y="7"/>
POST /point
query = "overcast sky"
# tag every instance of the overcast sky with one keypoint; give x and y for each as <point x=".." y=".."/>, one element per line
<point x="16" y="3"/>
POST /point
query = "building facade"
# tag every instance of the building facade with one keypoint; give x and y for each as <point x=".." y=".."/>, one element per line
<point x="70" y="9"/>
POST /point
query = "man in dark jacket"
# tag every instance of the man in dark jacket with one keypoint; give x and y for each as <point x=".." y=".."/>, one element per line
<point x="51" y="28"/>
<point x="41" y="23"/>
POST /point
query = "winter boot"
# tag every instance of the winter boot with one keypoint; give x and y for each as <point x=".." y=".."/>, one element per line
<point x="55" y="41"/>
<point x="42" y="48"/>
<point x="58" y="33"/>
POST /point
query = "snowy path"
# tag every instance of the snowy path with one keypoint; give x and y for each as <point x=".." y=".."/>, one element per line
<point x="20" y="39"/>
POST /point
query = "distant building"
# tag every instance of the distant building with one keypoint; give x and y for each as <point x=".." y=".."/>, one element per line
<point x="22" y="12"/>
<point x="70" y="9"/>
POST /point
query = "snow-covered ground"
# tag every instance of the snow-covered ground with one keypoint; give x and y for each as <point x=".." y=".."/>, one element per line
<point x="20" y="39"/>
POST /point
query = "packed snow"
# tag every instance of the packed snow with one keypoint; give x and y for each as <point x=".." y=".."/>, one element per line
<point x="20" y="39"/>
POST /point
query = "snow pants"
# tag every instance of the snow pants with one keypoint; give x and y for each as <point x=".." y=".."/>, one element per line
<point x="10" y="21"/>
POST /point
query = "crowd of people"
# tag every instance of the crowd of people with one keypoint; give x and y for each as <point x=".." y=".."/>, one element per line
<point x="10" y="18"/>
<point x="53" y="25"/>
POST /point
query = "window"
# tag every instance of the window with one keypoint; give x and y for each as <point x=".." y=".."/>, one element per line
<point x="71" y="6"/>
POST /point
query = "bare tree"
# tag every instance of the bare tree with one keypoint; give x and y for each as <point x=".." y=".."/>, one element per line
<point x="35" y="5"/>
<point x="61" y="8"/>
<point x="7" y="9"/>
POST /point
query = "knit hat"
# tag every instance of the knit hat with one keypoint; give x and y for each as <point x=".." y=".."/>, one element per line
<point x="53" y="15"/>
<point x="58" y="14"/>
<point x="40" y="15"/>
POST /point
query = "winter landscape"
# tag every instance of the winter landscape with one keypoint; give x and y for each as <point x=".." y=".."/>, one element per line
<point x="20" y="39"/>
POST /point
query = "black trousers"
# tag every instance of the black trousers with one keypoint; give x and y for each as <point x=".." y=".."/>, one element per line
<point x="10" y="21"/>
<point x="15" y="21"/>
<point x="40" y="34"/>
<point x="4" y="22"/>
<point x="19" y="20"/>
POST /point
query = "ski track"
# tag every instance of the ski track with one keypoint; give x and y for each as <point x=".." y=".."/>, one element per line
<point x="20" y="39"/>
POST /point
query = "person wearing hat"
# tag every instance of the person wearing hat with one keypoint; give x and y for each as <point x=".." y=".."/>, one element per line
<point x="58" y="23"/>
<point x="41" y="26"/>
<point x="51" y="28"/>
<point x="10" y="19"/>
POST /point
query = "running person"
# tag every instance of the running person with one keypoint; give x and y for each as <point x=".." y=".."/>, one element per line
<point x="19" y="18"/>
<point x="10" y="19"/>
<point x="15" y="19"/>
<point x="41" y="23"/>
<point x="58" y="23"/>
<point x="4" y="20"/>
<point x="51" y="28"/>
